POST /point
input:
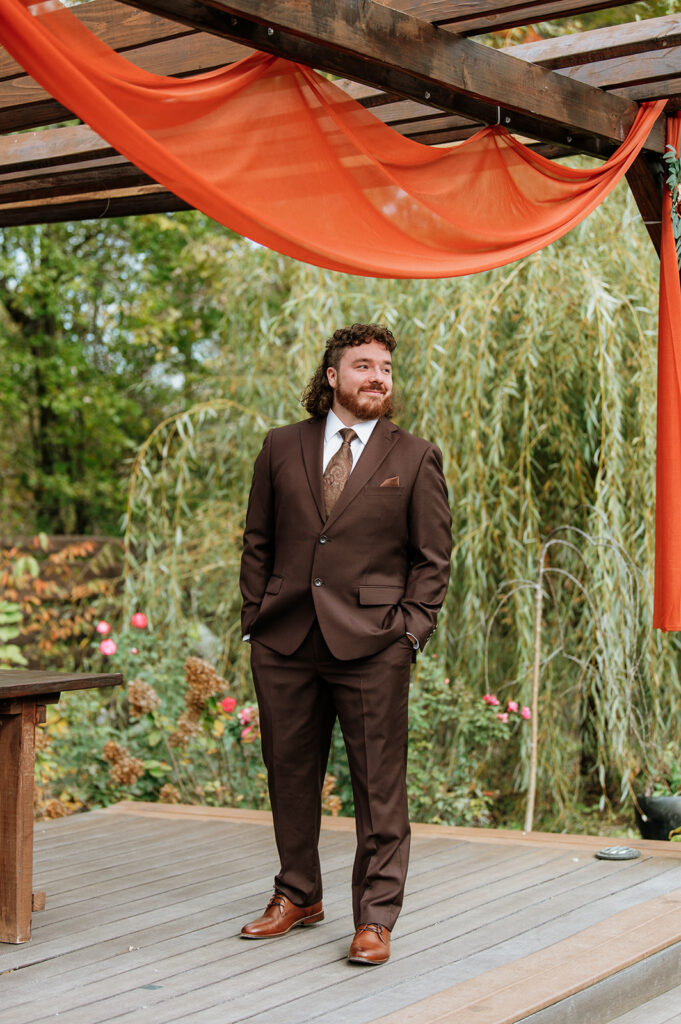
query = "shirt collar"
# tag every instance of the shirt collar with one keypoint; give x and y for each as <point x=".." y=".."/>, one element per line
<point x="363" y="429"/>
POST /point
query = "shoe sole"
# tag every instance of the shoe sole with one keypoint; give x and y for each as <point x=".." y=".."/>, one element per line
<point x="304" y="923"/>
<point x="366" y="962"/>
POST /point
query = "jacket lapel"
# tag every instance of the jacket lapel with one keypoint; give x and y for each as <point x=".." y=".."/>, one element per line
<point x="312" y="445"/>
<point x="383" y="437"/>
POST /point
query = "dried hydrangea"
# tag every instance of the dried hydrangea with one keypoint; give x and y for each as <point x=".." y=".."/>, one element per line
<point x="55" y="809"/>
<point x="333" y="805"/>
<point x="187" y="728"/>
<point x="128" y="771"/>
<point x="170" y="794"/>
<point x="125" y="769"/>
<point x="203" y="682"/>
<point x="113" y="751"/>
<point x="331" y="802"/>
<point x="142" y="698"/>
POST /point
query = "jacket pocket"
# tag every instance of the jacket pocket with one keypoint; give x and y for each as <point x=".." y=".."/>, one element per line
<point x="274" y="584"/>
<point x="379" y="593"/>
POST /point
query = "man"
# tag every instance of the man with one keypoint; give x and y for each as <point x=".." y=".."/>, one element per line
<point x="345" y="566"/>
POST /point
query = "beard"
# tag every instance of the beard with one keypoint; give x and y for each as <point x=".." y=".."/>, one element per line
<point x="364" y="406"/>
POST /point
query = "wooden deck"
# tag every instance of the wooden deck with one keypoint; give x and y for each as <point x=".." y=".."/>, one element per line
<point x="145" y="902"/>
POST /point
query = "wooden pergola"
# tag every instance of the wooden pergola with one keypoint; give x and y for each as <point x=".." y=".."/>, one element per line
<point x="416" y="63"/>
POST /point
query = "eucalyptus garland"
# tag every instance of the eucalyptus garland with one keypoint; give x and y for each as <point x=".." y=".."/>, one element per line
<point x="673" y="161"/>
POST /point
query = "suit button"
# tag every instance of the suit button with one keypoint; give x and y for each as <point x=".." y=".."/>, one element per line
<point x="323" y="539"/>
<point x="318" y="582"/>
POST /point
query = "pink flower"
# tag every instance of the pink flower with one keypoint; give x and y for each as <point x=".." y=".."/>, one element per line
<point x="246" y="715"/>
<point x="108" y="646"/>
<point x="446" y="682"/>
<point x="246" y="734"/>
<point x="228" y="704"/>
<point x="512" y="705"/>
<point x="139" y="620"/>
<point x="503" y="716"/>
<point x="102" y="627"/>
<point x="491" y="699"/>
<point x="133" y="650"/>
<point x="525" y="713"/>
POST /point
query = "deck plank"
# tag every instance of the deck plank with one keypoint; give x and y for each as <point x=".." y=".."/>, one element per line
<point x="178" y="936"/>
<point x="337" y="899"/>
<point x="145" y="929"/>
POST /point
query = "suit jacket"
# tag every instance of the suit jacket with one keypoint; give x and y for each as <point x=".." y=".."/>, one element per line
<point x="376" y="568"/>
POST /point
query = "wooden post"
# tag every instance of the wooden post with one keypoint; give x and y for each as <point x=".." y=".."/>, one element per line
<point x="646" y="178"/>
<point x="17" y="757"/>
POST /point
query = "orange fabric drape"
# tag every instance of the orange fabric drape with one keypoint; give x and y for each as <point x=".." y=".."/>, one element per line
<point x="279" y="154"/>
<point x="667" y="614"/>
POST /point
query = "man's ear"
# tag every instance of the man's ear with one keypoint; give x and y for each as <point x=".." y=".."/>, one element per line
<point x="331" y="376"/>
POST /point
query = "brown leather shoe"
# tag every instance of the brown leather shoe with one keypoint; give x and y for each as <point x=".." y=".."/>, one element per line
<point x="280" y="917"/>
<point x="371" y="945"/>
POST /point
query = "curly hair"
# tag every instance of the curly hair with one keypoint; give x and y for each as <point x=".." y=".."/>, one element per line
<point x="317" y="397"/>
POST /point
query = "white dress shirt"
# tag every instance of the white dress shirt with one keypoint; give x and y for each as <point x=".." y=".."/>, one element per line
<point x="333" y="439"/>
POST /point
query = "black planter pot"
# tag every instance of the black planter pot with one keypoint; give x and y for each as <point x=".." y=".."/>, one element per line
<point x="656" y="816"/>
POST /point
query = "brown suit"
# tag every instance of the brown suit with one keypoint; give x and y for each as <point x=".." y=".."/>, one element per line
<point x="327" y="603"/>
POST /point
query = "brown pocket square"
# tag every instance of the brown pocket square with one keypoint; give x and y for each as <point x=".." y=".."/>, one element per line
<point x="392" y="481"/>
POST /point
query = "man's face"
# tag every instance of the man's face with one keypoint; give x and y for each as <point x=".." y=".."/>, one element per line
<point x="363" y="383"/>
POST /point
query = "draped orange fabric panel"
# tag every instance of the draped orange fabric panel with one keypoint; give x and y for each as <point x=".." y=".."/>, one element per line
<point x="280" y="155"/>
<point x="667" y="613"/>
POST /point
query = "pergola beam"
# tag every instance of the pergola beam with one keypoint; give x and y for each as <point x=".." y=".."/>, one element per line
<point x="471" y="17"/>
<point x="654" y="42"/>
<point x="117" y="202"/>
<point x="644" y="70"/>
<point x="119" y="27"/>
<point x="653" y="74"/>
<point x="366" y="41"/>
<point x="23" y="104"/>
<point x="601" y="44"/>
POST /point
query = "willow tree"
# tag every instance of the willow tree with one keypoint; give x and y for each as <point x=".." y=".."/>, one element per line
<point x="538" y="382"/>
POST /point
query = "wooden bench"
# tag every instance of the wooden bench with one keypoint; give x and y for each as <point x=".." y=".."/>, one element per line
<point x="23" y="696"/>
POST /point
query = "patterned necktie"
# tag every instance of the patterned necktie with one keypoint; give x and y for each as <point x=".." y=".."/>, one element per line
<point x="338" y="470"/>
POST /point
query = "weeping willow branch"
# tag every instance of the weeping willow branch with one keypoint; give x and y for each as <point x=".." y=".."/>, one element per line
<point x="595" y="660"/>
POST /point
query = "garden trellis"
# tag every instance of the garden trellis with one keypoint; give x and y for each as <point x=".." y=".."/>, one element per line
<point x="414" y="64"/>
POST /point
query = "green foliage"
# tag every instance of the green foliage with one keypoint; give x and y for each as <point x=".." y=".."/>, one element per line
<point x="53" y="583"/>
<point x="664" y="779"/>
<point x="102" y="327"/>
<point x="671" y="157"/>
<point x="10" y="629"/>
<point x="141" y="743"/>
<point x="215" y="761"/>
<point x="461" y="749"/>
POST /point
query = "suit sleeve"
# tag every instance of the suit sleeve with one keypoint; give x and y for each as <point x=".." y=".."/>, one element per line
<point x="258" y="542"/>
<point x="430" y="548"/>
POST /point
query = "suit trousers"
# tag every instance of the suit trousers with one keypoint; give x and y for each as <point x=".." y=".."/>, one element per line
<point x="299" y="697"/>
